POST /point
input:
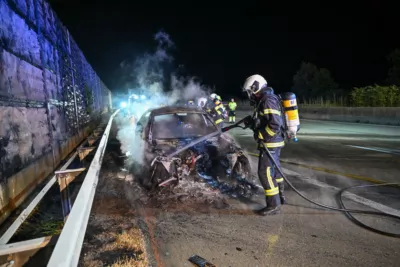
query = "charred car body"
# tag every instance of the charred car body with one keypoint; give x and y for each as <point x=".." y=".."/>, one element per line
<point x="179" y="141"/>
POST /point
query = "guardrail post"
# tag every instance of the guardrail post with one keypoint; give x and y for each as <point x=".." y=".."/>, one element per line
<point x="64" y="178"/>
<point x="84" y="151"/>
<point x="65" y="201"/>
<point x="92" y="140"/>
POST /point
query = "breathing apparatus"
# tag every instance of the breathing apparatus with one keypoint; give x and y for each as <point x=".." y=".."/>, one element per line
<point x="291" y="118"/>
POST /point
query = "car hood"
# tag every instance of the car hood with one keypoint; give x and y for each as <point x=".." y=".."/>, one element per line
<point x="222" y="145"/>
<point x="171" y="144"/>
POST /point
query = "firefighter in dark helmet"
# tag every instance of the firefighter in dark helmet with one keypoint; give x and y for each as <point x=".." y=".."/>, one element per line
<point x="268" y="128"/>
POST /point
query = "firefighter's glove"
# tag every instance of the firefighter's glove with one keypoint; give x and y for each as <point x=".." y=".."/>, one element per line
<point x="248" y="122"/>
<point x="256" y="124"/>
<point x="255" y="136"/>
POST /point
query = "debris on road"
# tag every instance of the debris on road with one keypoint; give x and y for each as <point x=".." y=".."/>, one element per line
<point x="200" y="262"/>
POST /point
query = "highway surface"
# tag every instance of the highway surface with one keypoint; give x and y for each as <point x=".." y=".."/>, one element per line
<point x="303" y="235"/>
<point x="328" y="157"/>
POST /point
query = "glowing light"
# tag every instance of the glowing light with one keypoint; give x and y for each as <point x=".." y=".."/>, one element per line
<point x="123" y="104"/>
<point x="143" y="97"/>
<point x="135" y="96"/>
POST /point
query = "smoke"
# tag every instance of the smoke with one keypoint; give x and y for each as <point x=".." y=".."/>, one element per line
<point x="153" y="75"/>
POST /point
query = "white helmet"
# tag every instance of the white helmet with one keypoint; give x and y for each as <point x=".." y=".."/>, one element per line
<point x="213" y="96"/>
<point x="254" y="84"/>
<point x="202" y="101"/>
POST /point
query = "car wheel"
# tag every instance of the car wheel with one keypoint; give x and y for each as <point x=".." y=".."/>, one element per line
<point x="158" y="173"/>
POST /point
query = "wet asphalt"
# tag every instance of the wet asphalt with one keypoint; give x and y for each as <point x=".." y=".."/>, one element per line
<point x="328" y="157"/>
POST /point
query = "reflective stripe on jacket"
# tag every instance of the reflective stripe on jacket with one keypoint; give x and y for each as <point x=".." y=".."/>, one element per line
<point x="217" y="112"/>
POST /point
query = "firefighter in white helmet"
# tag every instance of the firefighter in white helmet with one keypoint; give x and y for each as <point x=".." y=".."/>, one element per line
<point x="217" y="110"/>
<point x="267" y="128"/>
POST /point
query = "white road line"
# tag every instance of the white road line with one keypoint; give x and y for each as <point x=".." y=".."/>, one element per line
<point x="357" y="123"/>
<point x="333" y="137"/>
<point x="377" y="149"/>
<point x="354" y="197"/>
<point x="351" y="196"/>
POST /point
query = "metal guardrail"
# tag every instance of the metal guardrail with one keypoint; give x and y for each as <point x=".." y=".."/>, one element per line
<point x="68" y="248"/>
<point x="20" y="252"/>
<point x="25" y="213"/>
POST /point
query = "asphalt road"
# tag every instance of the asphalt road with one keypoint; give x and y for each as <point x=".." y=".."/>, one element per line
<point x="329" y="156"/>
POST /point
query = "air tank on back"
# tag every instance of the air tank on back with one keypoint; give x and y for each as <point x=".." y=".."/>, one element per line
<point x="289" y="103"/>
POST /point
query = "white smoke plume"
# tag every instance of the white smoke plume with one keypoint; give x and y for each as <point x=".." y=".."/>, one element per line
<point x="154" y="75"/>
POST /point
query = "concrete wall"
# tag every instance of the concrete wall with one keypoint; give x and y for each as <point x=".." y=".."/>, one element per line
<point x="44" y="84"/>
<point x="385" y="116"/>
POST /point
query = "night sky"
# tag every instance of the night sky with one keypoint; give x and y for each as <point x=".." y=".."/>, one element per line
<point x="223" y="44"/>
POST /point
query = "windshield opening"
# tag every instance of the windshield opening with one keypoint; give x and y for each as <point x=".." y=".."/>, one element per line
<point x="181" y="125"/>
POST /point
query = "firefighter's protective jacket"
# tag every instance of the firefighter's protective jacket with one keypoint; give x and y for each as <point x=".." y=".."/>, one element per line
<point x="270" y="130"/>
<point x="217" y="111"/>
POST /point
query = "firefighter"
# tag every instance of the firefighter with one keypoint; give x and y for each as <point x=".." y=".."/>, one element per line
<point x="268" y="128"/>
<point x="217" y="110"/>
<point x="232" y="107"/>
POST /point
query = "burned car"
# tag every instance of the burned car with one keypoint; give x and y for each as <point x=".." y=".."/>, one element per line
<point x="183" y="141"/>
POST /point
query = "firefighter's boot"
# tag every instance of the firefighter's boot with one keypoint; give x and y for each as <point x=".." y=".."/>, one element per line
<point x="281" y="186"/>
<point x="273" y="206"/>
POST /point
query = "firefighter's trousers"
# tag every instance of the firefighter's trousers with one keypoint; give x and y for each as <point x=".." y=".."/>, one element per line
<point x="269" y="176"/>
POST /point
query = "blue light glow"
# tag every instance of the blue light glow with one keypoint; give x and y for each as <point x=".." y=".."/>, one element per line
<point x="143" y="97"/>
<point x="123" y="104"/>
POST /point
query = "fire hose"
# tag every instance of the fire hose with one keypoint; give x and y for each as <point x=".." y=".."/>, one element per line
<point x="343" y="208"/>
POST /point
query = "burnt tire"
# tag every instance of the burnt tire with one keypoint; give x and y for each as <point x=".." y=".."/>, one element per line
<point x="157" y="174"/>
<point x="242" y="166"/>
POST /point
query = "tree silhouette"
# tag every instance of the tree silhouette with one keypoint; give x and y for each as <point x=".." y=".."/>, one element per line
<point x="394" y="71"/>
<point x="309" y="81"/>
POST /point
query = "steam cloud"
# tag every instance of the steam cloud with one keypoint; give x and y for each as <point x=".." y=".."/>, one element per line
<point x="154" y="75"/>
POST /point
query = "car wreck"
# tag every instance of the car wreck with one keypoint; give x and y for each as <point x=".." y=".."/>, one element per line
<point x="181" y="141"/>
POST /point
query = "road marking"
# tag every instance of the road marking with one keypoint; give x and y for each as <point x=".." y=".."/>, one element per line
<point x="378" y="149"/>
<point x="272" y="240"/>
<point x="348" y="175"/>
<point x="350" y="196"/>
<point x="337" y="137"/>
<point x="346" y="122"/>
<point x="354" y="197"/>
